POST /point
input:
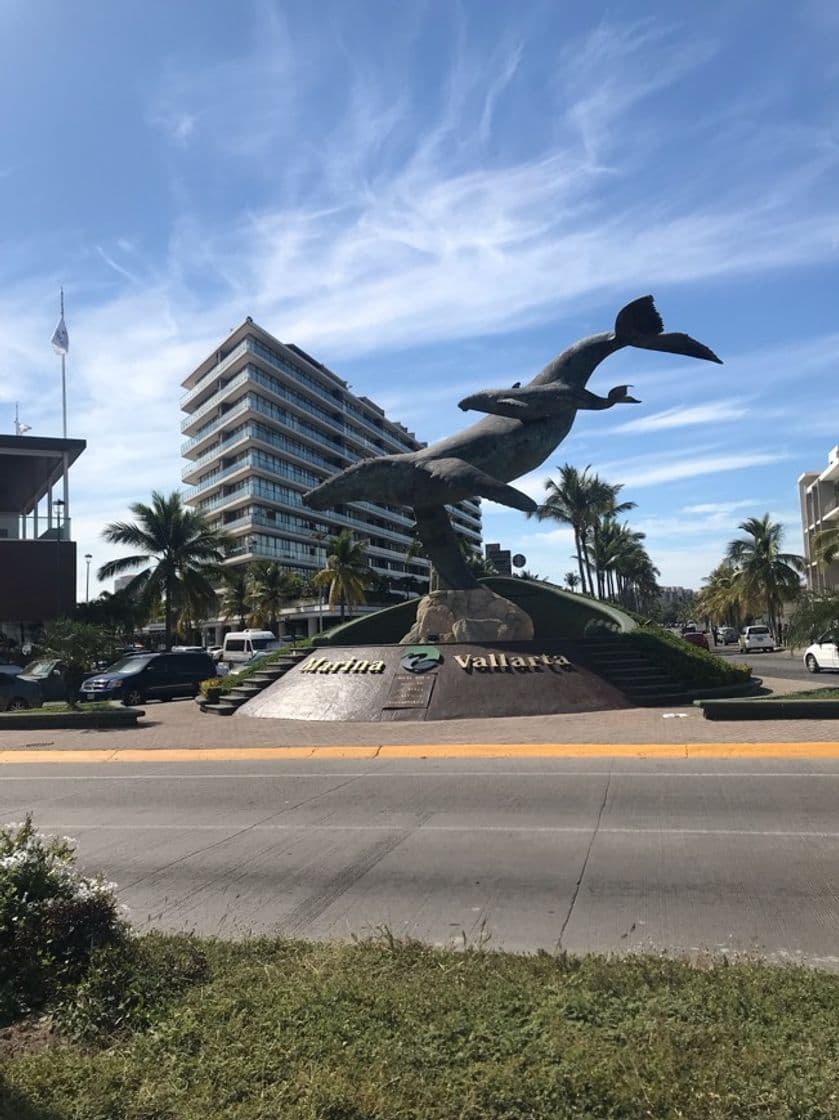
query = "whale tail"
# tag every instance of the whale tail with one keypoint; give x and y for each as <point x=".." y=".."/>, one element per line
<point x="639" y="324"/>
<point x="620" y="395"/>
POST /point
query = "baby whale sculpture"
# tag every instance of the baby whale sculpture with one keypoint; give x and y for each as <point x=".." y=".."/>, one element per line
<point x="537" y="401"/>
<point x="524" y="426"/>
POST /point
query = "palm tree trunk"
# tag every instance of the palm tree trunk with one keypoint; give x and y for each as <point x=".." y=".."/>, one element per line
<point x="578" y="545"/>
<point x="167" y="614"/>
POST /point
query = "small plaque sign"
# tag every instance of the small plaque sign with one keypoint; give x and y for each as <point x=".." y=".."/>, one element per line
<point x="409" y="692"/>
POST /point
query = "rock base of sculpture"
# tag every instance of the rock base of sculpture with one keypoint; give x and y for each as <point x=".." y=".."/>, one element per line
<point x="476" y="615"/>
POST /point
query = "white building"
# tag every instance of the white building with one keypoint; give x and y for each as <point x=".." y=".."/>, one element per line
<point x="819" y="496"/>
<point x="265" y="422"/>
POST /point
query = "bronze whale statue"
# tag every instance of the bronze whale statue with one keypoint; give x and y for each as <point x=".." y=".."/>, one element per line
<point x="482" y="459"/>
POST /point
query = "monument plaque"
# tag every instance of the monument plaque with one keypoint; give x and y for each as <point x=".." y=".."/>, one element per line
<point x="409" y="692"/>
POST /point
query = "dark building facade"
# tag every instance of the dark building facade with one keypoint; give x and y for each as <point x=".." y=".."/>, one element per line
<point x="37" y="552"/>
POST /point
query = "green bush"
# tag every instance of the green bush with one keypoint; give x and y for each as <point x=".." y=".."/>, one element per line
<point x="128" y="983"/>
<point x="691" y="664"/>
<point x="51" y="918"/>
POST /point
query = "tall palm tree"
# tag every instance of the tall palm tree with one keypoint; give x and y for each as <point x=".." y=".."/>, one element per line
<point x="269" y="587"/>
<point x="721" y="599"/>
<point x="347" y="572"/>
<point x="571" y="580"/>
<point x="177" y="545"/>
<point x="605" y="507"/>
<point x="570" y="501"/>
<point x="235" y="592"/>
<point x="763" y="572"/>
<point x="826" y="546"/>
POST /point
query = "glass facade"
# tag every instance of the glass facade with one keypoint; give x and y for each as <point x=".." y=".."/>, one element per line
<point x="265" y="423"/>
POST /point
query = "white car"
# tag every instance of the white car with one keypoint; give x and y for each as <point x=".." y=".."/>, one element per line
<point x="756" y="638"/>
<point x="823" y="653"/>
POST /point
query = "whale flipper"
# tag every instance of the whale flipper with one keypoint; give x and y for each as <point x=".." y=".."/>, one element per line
<point x="458" y="474"/>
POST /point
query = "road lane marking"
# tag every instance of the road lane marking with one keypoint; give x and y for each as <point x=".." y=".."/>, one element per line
<point x="320" y="775"/>
<point x="549" y="829"/>
<point x="431" y="751"/>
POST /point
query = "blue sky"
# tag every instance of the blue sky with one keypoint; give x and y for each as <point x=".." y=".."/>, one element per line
<point x="434" y="197"/>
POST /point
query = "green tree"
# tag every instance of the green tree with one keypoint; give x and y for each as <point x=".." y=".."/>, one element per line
<point x="571" y="580"/>
<point x="182" y="553"/>
<point x="269" y="587"/>
<point x="80" y="645"/>
<point x="721" y="599"/>
<point x="571" y="501"/>
<point x="826" y="546"/>
<point x="235" y="592"/>
<point x="764" y="574"/>
<point x="347" y="572"/>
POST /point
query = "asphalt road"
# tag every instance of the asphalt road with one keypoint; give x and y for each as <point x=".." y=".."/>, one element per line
<point x="581" y="854"/>
<point x="781" y="663"/>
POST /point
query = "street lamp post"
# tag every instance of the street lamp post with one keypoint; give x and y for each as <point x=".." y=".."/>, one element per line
<point x="88" y="556"/>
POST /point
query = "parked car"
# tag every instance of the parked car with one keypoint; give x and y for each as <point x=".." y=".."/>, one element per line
<point x="726" y="636"/>
<point x="49" y="675"/>
<point x="696" y="638"/>
<point x="823" y="653"/>
<point x="16" y="695"/>
<point x="10" y="668"/>
<point x="150" y="676"/>
<point x="755" y="638"/>
<point x="241" y="645"/>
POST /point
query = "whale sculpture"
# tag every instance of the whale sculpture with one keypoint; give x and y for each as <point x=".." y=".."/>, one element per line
<point x="513" y="440"/>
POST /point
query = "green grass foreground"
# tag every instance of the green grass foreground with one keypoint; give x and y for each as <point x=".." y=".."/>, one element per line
<point x="52" y="709"/>
<point x="290" y="1030"/>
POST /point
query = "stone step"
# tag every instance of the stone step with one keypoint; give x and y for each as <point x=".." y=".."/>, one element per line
<point x="219" y="709"/>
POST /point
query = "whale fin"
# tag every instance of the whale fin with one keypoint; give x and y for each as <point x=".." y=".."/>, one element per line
<point x="458" y="474"/>
<point x="638" y="318"/>
<point x="639" y="324"/>
<point x="676" y="343"/>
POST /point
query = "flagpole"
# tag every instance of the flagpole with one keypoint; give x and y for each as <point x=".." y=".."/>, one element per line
<point x="63" y="383"/>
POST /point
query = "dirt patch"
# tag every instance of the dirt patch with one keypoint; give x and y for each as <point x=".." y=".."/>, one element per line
<point x="29" y="1036"/>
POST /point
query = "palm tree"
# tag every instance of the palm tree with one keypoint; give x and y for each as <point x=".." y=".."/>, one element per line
<point x="604" y="508"/>
<point x="347" y="572"/>
<point x="570" y="501"/>
<point x="235" y="592"/>
<point x="178" y="546"/>
<point x="571" y="580"/>
<point x="826" y="546"/>
<point x="269" y="586"/>
<point x="721" y="598"/>
<point x="763" y="572"/>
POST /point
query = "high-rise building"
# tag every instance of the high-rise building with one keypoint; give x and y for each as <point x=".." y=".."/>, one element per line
<point x="265" y="423"/>
<point x="819" y="496"/>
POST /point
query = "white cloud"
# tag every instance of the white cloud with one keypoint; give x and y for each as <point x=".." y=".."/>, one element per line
<point x="713" y="412"/>
<point x="654" y="470"/>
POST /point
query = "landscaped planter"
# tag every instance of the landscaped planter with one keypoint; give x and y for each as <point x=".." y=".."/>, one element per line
<point x="34" y="719"/>
<point x="768" y="709"/>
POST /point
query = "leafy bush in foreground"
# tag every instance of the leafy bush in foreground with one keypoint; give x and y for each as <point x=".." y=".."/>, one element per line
<point x="691" y="664"/>
<point x="51" y="918"/>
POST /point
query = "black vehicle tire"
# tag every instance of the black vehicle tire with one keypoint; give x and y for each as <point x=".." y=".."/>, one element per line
<point x="17" y="704"/>
<point x="132" y="697"/>
<point x="165" y="699"/>
<point x="811" y="663"/>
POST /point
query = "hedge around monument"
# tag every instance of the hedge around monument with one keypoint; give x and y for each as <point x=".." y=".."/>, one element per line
<point x="555" y="613"/>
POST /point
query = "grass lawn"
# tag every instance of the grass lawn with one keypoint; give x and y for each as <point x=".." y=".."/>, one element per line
<point x="51" y="709"/>
<point x="291" y="1030"/>
<point x="808" y="694"/>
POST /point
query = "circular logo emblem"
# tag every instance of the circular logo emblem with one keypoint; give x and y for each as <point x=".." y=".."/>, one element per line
<point x="419" y="659"/>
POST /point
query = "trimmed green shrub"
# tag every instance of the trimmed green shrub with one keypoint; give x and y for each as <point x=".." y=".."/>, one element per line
<point x="692" y="664"/>
<point x="51" y="918"/>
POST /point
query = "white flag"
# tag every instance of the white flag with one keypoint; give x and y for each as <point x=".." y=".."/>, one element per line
<point x="60" y="338"/>
<point x="20" y="428"/>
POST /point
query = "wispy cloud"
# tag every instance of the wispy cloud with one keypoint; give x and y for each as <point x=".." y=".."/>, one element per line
<point x="713" y="412"/>
<point x="650" y="471"/>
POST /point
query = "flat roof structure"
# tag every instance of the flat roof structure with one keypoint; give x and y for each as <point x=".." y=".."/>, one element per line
<point x="30" y="466"/>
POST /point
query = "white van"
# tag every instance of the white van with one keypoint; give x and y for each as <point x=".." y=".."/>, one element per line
<point x="756" y="637"/>
<point x="242" y="645"/>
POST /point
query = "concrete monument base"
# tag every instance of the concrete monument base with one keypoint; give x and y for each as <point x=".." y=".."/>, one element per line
<point x="428" y="682"/>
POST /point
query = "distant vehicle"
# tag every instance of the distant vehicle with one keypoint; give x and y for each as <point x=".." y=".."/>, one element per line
<point x="823" y="653"/>
<point x="242" y="645"/>
<point x="17" y="695"/>
<point x="215" y="652"/>
<point x="726" y="636"/>
<point x="756" y="638"/>
<point x="12" y="668"/>
<point x="695" y="638"/>
<point x="49" y="675"/>
<point x="188" y="649"/>
<point x="150" y="676"/>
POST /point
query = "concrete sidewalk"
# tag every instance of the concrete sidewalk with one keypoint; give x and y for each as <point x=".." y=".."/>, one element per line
<point x="181" y="726"/>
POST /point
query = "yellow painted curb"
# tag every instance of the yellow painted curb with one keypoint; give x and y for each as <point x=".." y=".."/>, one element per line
<point x="433" y="750"/>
